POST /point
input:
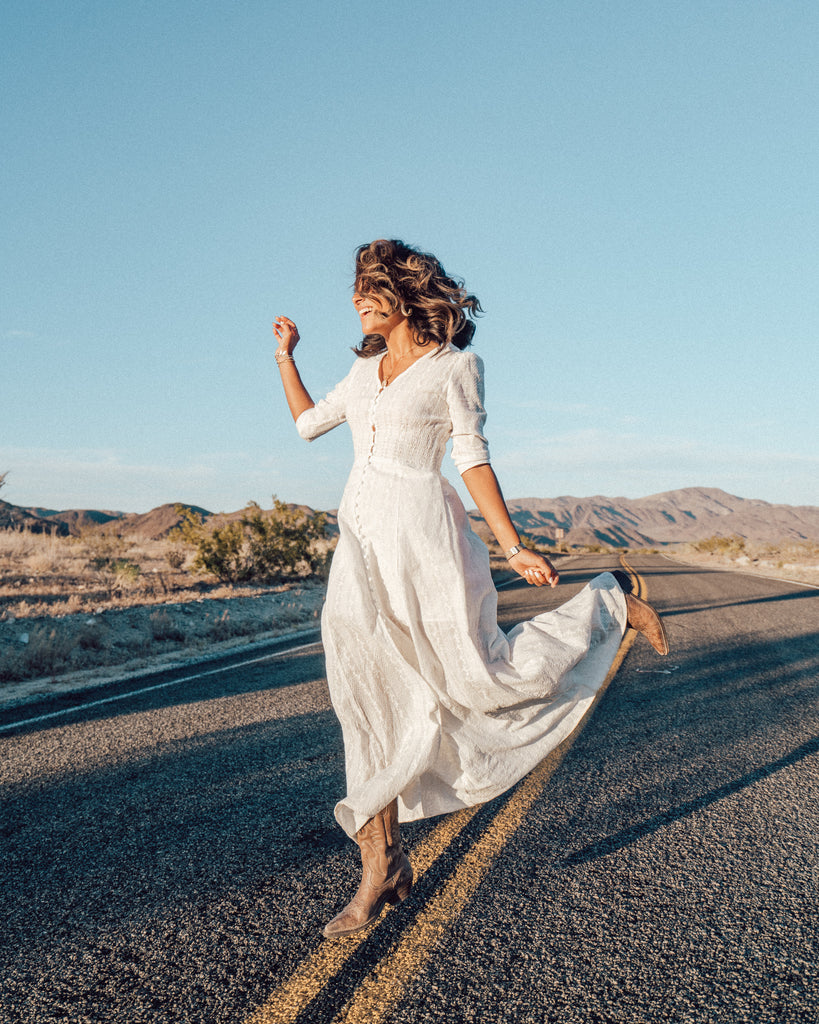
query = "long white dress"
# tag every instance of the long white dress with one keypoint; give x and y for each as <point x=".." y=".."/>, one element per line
<point x="438" y="706"/>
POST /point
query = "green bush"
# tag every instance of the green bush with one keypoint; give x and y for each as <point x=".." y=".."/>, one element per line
<point x="260" y="546"/>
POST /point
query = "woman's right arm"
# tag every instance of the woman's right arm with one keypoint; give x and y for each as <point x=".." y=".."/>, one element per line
<point x="297" y="395"/>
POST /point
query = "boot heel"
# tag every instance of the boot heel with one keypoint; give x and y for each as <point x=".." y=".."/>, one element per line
<point x="403" y="887"/>
<point x="643" y="618"/>
<point x="398" y="895"/>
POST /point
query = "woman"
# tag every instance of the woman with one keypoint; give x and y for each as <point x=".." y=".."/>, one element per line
<point x="439" y="708"/>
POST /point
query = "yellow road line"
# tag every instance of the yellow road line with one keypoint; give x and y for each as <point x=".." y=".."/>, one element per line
<point x="287" y="1001"/>
<point x="386" y="983"/>
<point x="640" y="589"/>
<point x="384" y="987"/>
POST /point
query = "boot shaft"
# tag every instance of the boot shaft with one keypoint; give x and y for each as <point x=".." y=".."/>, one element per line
<point x="380" y="843"/>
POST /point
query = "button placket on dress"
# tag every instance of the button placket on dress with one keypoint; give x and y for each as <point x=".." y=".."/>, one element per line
<point x="357" y="506"/>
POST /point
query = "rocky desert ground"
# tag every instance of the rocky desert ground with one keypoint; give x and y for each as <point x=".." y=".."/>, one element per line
<point x="69" y="617"/>
<point x="787" y="561"/>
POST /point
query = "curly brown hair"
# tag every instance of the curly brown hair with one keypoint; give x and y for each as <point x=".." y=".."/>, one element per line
<point x="441" y="309"/>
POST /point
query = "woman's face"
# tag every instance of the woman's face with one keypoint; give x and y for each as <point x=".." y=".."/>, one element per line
<point x="375" y="313"/>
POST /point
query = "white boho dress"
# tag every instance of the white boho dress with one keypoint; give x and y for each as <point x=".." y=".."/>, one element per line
<point x="438" y="706"/>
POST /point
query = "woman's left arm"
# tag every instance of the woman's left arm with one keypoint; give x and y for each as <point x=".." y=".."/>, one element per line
<point x="483" y="485"/>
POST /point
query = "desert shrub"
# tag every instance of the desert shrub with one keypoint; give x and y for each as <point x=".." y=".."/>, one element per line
<point x="48" y="554"/>
<point x="103" y="547"/>
<point x="47" y="652"/>
<point x="222" y="627"/>
<point x="721" y="545"/>
<point x="225" y="628"/>
<point x="259" y="546"/>
<point x="163" y="627"/>
<point x="16" y="544"/>
<point x="90" y="637"/>
<point x="175" y="557"/>
<point x="125" y="572"/>
<point x="528" y="541"/>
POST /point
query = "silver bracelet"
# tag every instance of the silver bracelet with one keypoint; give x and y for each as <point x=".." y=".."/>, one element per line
<point x="283" y="356"/>
<point x="514" y="550"/>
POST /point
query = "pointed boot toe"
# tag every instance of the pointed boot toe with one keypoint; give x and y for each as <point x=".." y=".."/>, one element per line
<point x="368" y="903"/>
<point x="386" y="875"/>
<point x="643" y="618"/>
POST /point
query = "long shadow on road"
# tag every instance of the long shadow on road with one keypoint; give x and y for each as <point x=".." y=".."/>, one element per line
<point x="171" y="688"/>
<point x="197" y="873"/>
<point x="667" y="742"/>
<point x="628" y="835"/>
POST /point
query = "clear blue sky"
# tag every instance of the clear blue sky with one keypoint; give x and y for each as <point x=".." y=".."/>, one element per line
<point x="630" y="188"/>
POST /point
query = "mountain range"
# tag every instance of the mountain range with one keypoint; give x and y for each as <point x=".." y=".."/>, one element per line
<point x="689" y="514"/>
<point x="673" y="517"/>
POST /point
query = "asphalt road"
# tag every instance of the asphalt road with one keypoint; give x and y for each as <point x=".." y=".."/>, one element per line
<point x="172" y="856"/>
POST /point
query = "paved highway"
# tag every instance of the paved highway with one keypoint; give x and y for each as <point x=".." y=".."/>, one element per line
<point x="171" y="856"/>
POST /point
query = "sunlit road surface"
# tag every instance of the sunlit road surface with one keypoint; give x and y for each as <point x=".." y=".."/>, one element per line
<point x="172" y="856"/>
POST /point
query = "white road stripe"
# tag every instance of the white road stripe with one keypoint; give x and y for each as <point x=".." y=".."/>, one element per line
<point x="739" y="569"/>
<point x="173" y="682"/>
<point x="157" y="686"/>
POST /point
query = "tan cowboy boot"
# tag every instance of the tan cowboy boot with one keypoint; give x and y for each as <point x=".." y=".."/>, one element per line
<point x="643" y="618"/>
<point x="386" y="874"/>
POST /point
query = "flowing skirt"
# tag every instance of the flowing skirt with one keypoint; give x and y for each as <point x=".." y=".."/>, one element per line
<point x="438" y="706"/>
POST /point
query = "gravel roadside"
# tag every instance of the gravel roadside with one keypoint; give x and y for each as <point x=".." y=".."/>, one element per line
<point x="122" y="643"/>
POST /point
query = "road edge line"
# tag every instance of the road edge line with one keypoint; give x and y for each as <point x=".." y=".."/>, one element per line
<point x="148" y="689"/>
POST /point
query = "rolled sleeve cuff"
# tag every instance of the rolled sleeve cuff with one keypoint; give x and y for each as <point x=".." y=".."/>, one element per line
<point x="314" y="422"/>
<point x="469" y="451"/>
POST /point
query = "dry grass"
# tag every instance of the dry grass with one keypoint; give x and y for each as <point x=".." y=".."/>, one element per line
<point x="42" y="575"/>
<point x="53" y="576"/>
<point x="45" y="649"/>
<point x="69" y="604"/>
<point x="788" y="560"/>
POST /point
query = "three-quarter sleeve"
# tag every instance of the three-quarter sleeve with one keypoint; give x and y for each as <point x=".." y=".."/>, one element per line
<point x="465" y="397"/>
<point x="327" y="413"/>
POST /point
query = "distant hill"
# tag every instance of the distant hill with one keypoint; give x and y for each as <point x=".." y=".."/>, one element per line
<point x="689" y="514"/>
<point x="13" y="517"/>
<point x="151" y="525"/>
<point x="672" y="517"/>
<point x="158" y="522"/>
<point x="78" y="520"/>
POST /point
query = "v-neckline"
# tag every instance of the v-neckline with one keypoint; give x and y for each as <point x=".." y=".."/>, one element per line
<point x="382" y="386"/>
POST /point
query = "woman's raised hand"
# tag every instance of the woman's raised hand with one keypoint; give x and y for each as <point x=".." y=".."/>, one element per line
<point x="287" y="334"/>
<point x="534" y="568"/>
